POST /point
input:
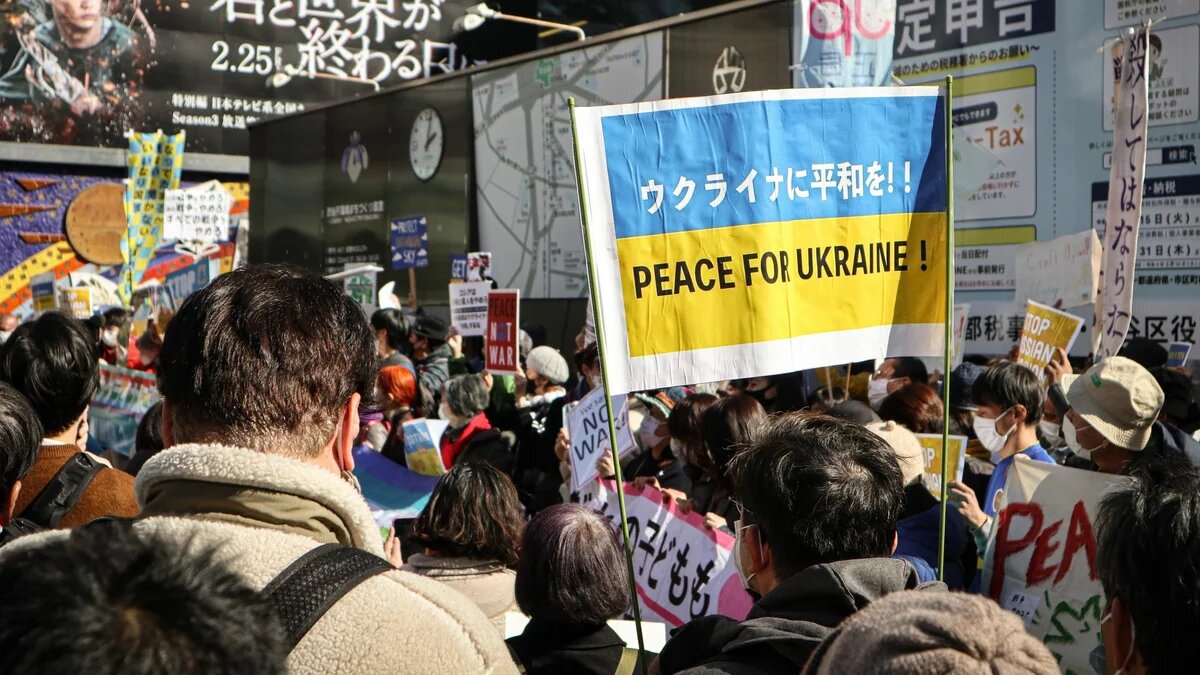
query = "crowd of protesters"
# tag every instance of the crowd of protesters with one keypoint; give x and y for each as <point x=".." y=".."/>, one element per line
<point x="244" y="545"/>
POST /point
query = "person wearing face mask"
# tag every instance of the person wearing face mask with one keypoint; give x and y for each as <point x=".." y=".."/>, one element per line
<point x="893" y="374"/>
<point x="1008" y="400"/>
<point x="819" y="499"/>
<point x="111" y="350"/>
<point x="540" y="402"/>
<point x="1148" y="561"/>
<point x="470" y="437"/>
<point x="658" y="465"/>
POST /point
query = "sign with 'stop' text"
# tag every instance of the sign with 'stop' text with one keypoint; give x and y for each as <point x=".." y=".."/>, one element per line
<point x="469" y="307"/>
<point x="502" y="356"/>
<point x="1046" y="330"/>
<point x="1041" y="556"/>
<point x="816" y="244"/>
<point x="587" y="427"/>
<point x="956" y="458"/>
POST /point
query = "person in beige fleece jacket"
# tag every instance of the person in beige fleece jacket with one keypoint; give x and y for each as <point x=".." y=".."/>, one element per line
<point x="262" y="373"/>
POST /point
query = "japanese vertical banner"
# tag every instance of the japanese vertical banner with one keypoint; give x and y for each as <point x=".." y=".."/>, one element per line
<point x="1041" y="556"/>
<point x="155" y="163"/>
<point x="683" y="569"/>
<point x="813" y="243"/>
<point x="1114" y="298"/>
<point x="503" y="327"/>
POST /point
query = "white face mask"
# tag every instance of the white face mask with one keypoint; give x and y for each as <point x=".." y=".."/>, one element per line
<point x="738" y="564"/>
<point x="109" y="339"/>
<point x="1051" y="431"/>
<point x="877" y="390"/>
<point x="595" y="381"/>
<point x="678" y="449"/>
<point x="443" y="411"/>
<point x="648" y="432"/>
<point x="4" y="335"/>
<point x="1071" y="438"/>
<point x="985" y="431"/>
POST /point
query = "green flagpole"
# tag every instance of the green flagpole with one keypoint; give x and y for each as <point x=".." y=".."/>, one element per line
<point x="949" y="317"/>
<point x="612" y="423"/>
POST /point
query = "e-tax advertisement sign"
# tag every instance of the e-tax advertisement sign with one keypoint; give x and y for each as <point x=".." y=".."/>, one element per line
<point x="766" y="232"/>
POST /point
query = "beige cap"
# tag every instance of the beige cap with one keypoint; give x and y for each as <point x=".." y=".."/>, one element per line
<point x="1118" y="398"/>
<point x="908" y="449"/>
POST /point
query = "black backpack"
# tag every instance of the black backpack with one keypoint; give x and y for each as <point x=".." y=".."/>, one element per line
<point x="55" y="500"/>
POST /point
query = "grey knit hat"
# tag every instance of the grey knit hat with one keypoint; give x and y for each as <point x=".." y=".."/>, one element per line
<point x="926" y="632"/>
<point x="547" y="362"/>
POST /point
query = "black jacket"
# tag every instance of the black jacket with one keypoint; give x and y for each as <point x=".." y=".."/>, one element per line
<point x="551" y="648"/>
<point x="488" y="446"/>
<point x="786" y="625"/>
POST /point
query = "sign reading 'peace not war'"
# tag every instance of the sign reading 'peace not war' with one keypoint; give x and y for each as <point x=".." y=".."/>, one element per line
<point x="781" y="245"/>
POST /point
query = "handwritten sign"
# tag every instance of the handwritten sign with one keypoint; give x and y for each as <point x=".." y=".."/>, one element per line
<point x="197" y="214"/>
<point x="1041" y="556"/>
<point x="1177" y="354"/>
<point x="683" y="570"/>
<point x="587" y="426"/>
<point x="410" y="243"/>
<point x="503" y="357"/>
<point x="1046" y="330"/>
<point x="422" y="446"/>
<point x="469" y="307"/>
<point x="931" y="477"/>
<point x="1062" y="271"/>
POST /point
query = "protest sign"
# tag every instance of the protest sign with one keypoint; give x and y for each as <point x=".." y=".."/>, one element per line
<point x="390" y="490"/>
<point x="469" y="307"/>
<point x="1114" y="298"/>
<point x="1046" y="330"/>
<point x="1177" y="354"/>
<point x="410" y="243"/>
<point x="503" y="333"/>
<point x="198" y="213"/>
<point x="1041" y="556"/>
<point x="479" y="266"/>
<point x="118" y="405"/>
<point x="683" y="570"/>
<point x="955" y="460"/>
<point x="959" y="346"/>
<point x="815" y="244"/>
<point x="422" y="446"/>
<point x="188" y="280"/>
<point x="361" y="287"/>
<point x="76" y="302"/>
<point x="155" y="164"/>
<point x="587" y="426"/>
<point x="44" y="297"/>
<point x="1062" y="271"/>
<point x="458" y="267"/>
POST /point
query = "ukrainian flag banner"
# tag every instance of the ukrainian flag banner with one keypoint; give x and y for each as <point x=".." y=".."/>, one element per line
<point x="765" y="232"/>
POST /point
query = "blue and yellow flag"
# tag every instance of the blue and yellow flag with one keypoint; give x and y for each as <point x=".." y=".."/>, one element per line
<point x="767" y="232"/>
<point x="155" y="164"/>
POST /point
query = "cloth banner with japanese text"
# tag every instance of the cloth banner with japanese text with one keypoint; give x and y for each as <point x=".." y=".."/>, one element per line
<point x="118" y="405"/>
<point x="155" y="164"/>
<point x="1041" y="556"/>
<point x="1114" y="297"/>
<point x="683" y="569"/>
<point x="587" y="427"/>
<point x="1046" y="330"/>
<point x="816" y="244"/>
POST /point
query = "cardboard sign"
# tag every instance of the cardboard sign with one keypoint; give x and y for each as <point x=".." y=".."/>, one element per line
<point x="587" y="425"/>
<point x="1177" y="354"/>
<point x="956" y="459"/>
<point x="410" y="243"/>
<point x="422" y="446"/>
<point x="75" y="302"/>
<point x="503" y="355"/>
<point x="1041" y="556"/>
<point x="1065" y="270"/>
<point x="469" y="307"/>
<point x="200" y="213"/>
<point x="683" y="569"/>
<point x="1046" y="330"/>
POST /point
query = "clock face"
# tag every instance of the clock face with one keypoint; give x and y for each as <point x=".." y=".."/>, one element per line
<point x="426" y="143"/>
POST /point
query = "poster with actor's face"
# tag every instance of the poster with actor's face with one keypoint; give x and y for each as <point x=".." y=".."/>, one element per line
<point x="83" y="72"/>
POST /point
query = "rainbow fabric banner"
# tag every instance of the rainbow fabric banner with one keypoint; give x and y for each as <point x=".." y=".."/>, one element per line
<point x="391" y="490"/>
<point x="765" y="232"/>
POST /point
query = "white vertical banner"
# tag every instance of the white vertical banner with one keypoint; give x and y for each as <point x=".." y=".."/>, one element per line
<point x="1114" y="298"/>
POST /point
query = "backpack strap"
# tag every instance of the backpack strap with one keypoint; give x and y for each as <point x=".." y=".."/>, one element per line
<point x="63" y="491"/>
<point x="314" y="582"/>
<point x="628" y="663"/>
<point x="516" y="659"/>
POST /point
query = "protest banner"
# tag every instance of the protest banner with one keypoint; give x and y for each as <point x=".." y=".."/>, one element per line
<point x="959" y="344"/>
<point x="390" y="490"/>
<point x="587" y="427"/>
<point x="155" y="165"/>
<point x="458" y="267"/>
<point x="1041" y="556"/>
<point x="198" y="213"/>
<point x="1062" y="272"/>
<point x="503" y="332"/>
<point x="410" y="243"/>
<point x="1046" y="330"/>
<point x="118" y="405"/>
<point x="42" y="289"/>
<point x="1114" y="297"/>
<point x="682" y="569"/>
<point x="75" y="302"/>
<point x="1177" y="354"/>
<point x="955" y="459"/>
<point x="422" y="446"/>
<point x="469" y="307"/>
<point x="815" y="244"/>
<point x="182" y="283"/>
<point x="361" y="287"/>
<point x="479" y="266"/>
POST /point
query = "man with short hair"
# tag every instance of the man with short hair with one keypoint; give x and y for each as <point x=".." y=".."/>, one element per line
<point x="20" y="437"/>
<point x="1148" y="558"/>
<point x="818" y="501"/>
<point x="52" y="362"/>
<point x="893" y="374"/>
<point x="262" y="373"/>
<point x="430" y="353"/>
<point x="391" y="339"/>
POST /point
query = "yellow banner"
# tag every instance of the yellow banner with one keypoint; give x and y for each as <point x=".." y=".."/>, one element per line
<point x="1046" y="329"/>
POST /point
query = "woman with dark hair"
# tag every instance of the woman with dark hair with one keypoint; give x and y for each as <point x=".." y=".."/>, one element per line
<point x="727" y="425"/>
<point x="571" y="580"/>
<point x="916" y="406"/>
<point x="470" y="436"/>
<point x="471" y="529"/>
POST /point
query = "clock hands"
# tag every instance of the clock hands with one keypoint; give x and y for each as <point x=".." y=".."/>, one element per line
<point x="429" y="141"/>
